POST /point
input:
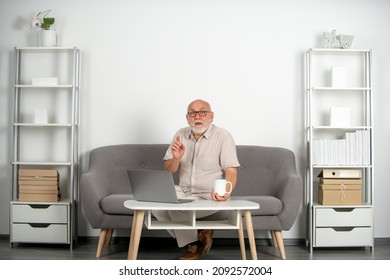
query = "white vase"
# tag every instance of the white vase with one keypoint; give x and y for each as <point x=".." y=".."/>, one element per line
<point x="48" y="38"/>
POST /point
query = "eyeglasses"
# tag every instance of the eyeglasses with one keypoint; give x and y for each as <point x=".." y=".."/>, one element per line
<point x="201" y="113"/>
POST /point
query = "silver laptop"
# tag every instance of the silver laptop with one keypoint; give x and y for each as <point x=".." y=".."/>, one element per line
<point x="154" y="186"/>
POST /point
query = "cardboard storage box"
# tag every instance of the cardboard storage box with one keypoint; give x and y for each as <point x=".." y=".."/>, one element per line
<point x="39" y="185"/>
<point x="338" y="173"/>
<point x="38" y="175"/>
<point x="340" y="194"/>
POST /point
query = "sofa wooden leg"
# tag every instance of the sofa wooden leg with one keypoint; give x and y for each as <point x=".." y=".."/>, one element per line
<point x="280" y="242"/>
<point x="274" y="242"/>
<point x="109" y="236"/>
<point x="102" y="240"/>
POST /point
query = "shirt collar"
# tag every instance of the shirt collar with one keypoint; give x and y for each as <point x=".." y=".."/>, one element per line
<point x="208" y="131"/>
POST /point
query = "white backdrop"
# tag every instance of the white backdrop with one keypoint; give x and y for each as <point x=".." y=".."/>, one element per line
<point x="143" y="61"/>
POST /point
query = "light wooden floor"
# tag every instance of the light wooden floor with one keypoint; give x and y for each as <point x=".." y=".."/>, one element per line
<point x="166" y="249"/>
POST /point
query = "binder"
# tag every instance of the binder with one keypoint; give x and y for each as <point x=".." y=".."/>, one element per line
<point x="41" y="174"/>
<point x="39" y="192"/>
<point x="38" y="188"/>
<point x="37" y="182"/>
<point x="341" y="173"/>
<point x="40" y="197"/>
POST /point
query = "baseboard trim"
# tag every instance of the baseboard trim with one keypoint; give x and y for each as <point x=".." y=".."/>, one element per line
<point x="218" y="240"/>
<point x="259" y="241"/>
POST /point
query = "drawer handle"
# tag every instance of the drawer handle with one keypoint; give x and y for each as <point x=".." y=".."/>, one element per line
<point x="343" y="209"/>
<point x="39" y="206"/>
<point x="341" y="229"/>
<point x="39" y="225"/>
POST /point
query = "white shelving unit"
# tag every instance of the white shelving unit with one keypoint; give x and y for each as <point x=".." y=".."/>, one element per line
<point x="339" y="225"/>
<point x="51" y="145"/>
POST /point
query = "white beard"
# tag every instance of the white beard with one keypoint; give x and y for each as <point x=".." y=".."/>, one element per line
<point x="199" y="131"/>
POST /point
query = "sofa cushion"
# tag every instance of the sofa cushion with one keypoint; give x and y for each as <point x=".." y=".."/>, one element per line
<point x="269" y="205"/>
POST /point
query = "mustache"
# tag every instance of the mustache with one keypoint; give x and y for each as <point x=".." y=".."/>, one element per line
<point x="197" y="122"/>
<point x="199" y="130"/>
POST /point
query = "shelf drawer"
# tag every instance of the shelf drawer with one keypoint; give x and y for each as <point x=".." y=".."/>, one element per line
<point x="37" y="213"/>
<point x="344" y="237"/>
<point x="330" y="217"/>
<point x="40" y="233"/>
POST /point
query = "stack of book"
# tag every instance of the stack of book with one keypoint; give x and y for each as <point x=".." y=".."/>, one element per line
<point x="340" y="187"/>
<point x="352" y="149"/>
<point x="39" y="185"/>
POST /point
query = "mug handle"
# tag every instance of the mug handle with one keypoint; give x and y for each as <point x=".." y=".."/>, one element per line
<point x="231" y="187"/>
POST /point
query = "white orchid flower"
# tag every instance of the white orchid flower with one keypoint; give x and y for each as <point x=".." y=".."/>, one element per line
<point x="36" y="23"/>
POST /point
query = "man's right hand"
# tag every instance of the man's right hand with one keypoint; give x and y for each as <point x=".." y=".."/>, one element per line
<point x="177" y="149"/>
<point x="172" y="165"/>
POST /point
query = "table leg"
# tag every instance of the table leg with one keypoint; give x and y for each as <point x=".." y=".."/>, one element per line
<point x="135" y="235"/>
<point x="251" y="236"/>
<point x="241" y="239"/>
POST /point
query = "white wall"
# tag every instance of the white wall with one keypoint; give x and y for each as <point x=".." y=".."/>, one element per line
<point x="143" y="61"/>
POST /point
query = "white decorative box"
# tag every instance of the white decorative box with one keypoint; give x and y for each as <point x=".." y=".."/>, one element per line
<point x="340" y="116"/>
<point x="338" y="77"/>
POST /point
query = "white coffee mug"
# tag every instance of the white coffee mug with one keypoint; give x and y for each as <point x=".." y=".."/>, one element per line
<point x="220" y="186"/>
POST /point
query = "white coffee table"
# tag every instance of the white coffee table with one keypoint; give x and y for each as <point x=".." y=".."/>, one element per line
<point x="235" y="208"/>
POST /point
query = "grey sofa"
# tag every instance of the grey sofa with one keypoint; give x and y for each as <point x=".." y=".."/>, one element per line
<point x="267" y="175"/>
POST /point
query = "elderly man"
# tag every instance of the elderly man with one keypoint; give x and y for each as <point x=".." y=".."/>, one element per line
<point x="200" y="153"/>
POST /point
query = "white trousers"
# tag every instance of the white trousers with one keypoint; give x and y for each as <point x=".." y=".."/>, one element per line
<point x="183" y="237"/>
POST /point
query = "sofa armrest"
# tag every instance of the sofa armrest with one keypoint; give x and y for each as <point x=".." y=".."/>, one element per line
<point x="93" y="188"/>
<point x="290" y="192"/>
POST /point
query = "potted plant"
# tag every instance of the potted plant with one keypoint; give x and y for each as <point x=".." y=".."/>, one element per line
<point x="43" y="23"/>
